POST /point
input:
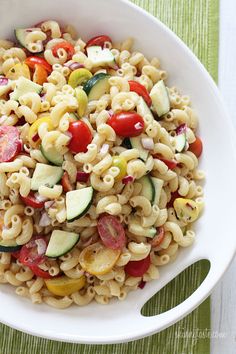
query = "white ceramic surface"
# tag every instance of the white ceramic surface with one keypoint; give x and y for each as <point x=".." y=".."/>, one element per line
<point x="122" y="321"/>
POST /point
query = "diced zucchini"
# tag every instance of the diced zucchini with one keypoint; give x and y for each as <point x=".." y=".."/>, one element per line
<point x="52" y="155"/>
<point x="23" y="86"/>
<point x="9" y="246"/>
<point x="45" y="175"/>
<point x="97" y="86"/>
<point x="148" y="188"/>
<point x="143" y="109"/>
<point x="158" y="184"/>
<point x="60" y="243"/>
<point x="21" y="33"/>
<point x="180" y="141"/>
<point x="160" y="98"/>
<point x="78" y="202"/>
<point x="100" y="57"/>
<point x="135" y="143"/>
<point x="137" y="229"/>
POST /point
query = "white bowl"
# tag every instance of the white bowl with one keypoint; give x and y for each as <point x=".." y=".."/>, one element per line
<point x="216" y="241"/>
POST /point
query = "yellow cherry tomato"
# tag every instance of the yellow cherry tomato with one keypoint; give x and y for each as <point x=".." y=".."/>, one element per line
<point x="98" y="259"/>
<point x="82" y="99"/>
<point x="64" y="286"/>
<point x="79" y="76"/>
<point x="32" y="136"/>
<point x="120" y="162"/>
<point x="186" y="210"/>
<point x="20" y="69"/>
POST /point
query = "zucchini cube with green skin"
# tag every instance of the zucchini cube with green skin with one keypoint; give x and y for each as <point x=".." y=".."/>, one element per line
<point x="160" y="98"/>
<point x="97" y="86"/>
<point x="78" y="203"/>
<point x="45" y="175"/>
<point x="100" y="56"/>
<point x="60" y="243"/>
<point x="23" y="86"/>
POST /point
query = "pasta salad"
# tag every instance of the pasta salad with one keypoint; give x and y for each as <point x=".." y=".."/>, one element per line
<point x="99" y="178"/>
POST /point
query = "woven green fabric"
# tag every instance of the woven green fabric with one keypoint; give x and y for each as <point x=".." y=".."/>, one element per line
<point x="196" y="22"/>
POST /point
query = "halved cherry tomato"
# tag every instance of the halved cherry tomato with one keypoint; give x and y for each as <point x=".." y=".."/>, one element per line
<point x="157" y="240"/>
<point x="39" y="272"/>
<point x="40" y="75"/>
<point x="111" y="232"/>
<point x="196" y="147"/>
<point x="126" y="124"/>
<point x="141" y="91"/>
<point x="32" y="61"/>
<point x="10" y="143"/>
<point x="29" y="255"/>
<point x="15" y="254"/>
<point x="171" y="164"/>
<point x="138" y="268"/>
<point x="64" y="45"/>
<point x="98" y="40"/>
<point x="81" y="136"/>
<point x="174" y="195"/>
<point x="65" y="182"/>
<point x="32" y="201"/>
<point x="97" y="259"/>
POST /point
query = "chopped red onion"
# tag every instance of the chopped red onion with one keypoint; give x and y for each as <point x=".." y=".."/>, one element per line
<point x="2" y="119"/>
<point x="30" y="244"/>
<point x="43" y="96"/>
<point x="104" y="149"/>
<point x="82" y="176"/>
<point x="127" y="179"/>
<point x="68" y="134"/>
<point x="73" y="66"/>
<point x="41" y="246"/>
<point x="138" y="126"/>
<point x="142" y="284"/>
<point x="48" y="204"/>
<point x="3" y="81"/>
<point x="110" y="112"/>
<point x="147" y="143"/>
<point x="35" y="137"/>
<point x="45" y="220"/>
<point x="181" y="129"/>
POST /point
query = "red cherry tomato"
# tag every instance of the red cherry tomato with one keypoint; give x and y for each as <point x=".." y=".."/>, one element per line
<point x="141" y="91"/>
<point x="98" y="40"/>
<point x="157" y="240"/>
<point x="174" y="195"/>
<point x="29" y="255"/>
<point x="32" y="61"/>
<point x="64" y="45"/>
<point x="10" y="144"/>
<point x="65" y="182"/>
<point x="126" y="124"/>
<point x="196" y="147"/>
<point x="40" y="273"/>
<point x="32" y="201"/>
<point x="171" y="164"/>
<point x="138" y="268"/>
<point x="111" y="232"/>
<point x="81" y="136"/>
<point x="15" y="254"/>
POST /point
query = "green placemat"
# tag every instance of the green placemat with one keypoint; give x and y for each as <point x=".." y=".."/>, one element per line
<point x="196" y="22"/>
